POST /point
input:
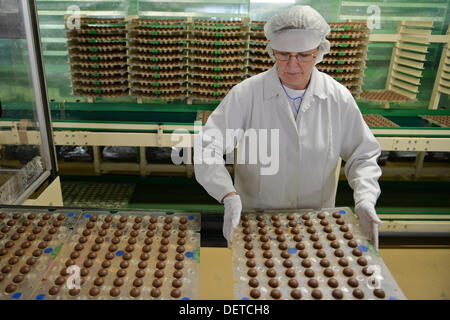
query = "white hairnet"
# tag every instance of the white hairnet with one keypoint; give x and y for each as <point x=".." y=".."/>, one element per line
<point x="299" y="17"/>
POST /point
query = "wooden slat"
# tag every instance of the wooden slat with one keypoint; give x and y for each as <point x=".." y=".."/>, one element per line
<point x="446" y="68"/>
<point x="405" y="86"/>
<point x="403" y="77"/>
<point x="409" y="63"/>
<point x="414" y="31"/>
<point x="446" y="75"/>
<point x="412" y="72"/>
<point x="410" y="55"/>
<point x="405" y="93"/>
<point x="411" y="47"/>
<point x="422" y="40"/>
<point x="444" y="90"/>
<point x="444" y="83"/>
<point x="427" y="24"/>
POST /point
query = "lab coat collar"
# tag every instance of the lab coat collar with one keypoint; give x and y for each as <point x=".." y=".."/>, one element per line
<point x="272" y="86"/>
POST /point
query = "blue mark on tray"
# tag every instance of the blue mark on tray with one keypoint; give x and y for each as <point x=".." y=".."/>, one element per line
<point x="393" y="298"/>
<point x="191" y="217"/>
<point x="70" y="215"/>
<point x="245" y="298"/>
<point x="87" y="215"/>
<point x="48" y="250"/>
<point x="189" y="254"/>
<point x="119" y="253"/>
<point x="363" y="248"/>
<point x="185" y="298"/>
<point x="342" y="211"/>
<point x="16" y="295"/>
<point x="292" y="250"/>
<point x="40" y="296"/>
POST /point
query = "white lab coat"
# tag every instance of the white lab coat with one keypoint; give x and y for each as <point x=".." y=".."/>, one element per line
<point x="328" y="126"/>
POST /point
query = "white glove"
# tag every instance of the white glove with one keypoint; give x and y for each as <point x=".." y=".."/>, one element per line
<point x="368" y="220"/>
<point x="233" y="208"/>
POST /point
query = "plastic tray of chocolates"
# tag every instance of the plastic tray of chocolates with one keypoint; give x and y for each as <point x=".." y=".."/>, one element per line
<point x="164" y="23"/>
<point x="81" y="254"/>
<point x="29" y="243"/>
<point x="376" y="120"/>
<point x="443" y="121"/>
<point x="219" y="24"/>
<point x="310" y="255"/>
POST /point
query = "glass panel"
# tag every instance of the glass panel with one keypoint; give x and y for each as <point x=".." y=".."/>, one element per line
<point x="21" y="148"/>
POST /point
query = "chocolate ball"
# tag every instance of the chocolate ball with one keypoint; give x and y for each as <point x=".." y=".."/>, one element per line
<point x="102" y="273"/>
<point x="88" y="263"/>
<point x="37" y="253"/>
<point x="155" y="293"/>
<point x="328" y="272"/>
<point x="316" y="294"/>
<point x="325" y="263"/>
<point x="358" y="293"/>
<point x="296" y="294"/>
<point x="379" y="293"/>
<point x="99" y="281"/>
<point x="306" y="216"/>
<point x="248" y="246"/>
<point x="94" y="291"/>
<point x="335" y="244"/>
<point x="275" y="293"/>
<point x="347" y="272"/>
<point x="332" y="282"/>
<point x="140" y="273"/>
<point x="264" y="238"/>
<point x="308" y="223"/>
<point x="159" y="274"/>
<point x="19" y="252"/>
<point x="287" y="263"/>
<point x="252" y="272"/>
<point x="343" y="262"/>
<point x="138" y="282"/>
<point x="124" y="264"/>
<point x="109" y="256"/>
<point x="83" y="272"/>
<point x="31" y="261"/>
<point x="337" y="294"/>
<point x="251" y="263"/>
<point x="25" y="269"/>
<point x="127" y="256"/>
<point x="352" y="244"/>
<point x="311" y="230"/>
<point x="306" y="263"/>
<point x="121" y="273"/>
<point x="300" y="246"/>
<point x="74" y="292"/>
<point x="271" y="273"/>
<point x="53" y="291"/>
<point x="362" y="261"/>
<point x="309" y="273"/>
<point x="6" y="269"/>
<point x="255" y="293"/>
<point x="60" y="280"/>
<point x="298" y="238"/>
<point x="313" y="283"/>
<point x="114" y="292"/>
<point x="145" y="256"/>
<point x="295" y="231"/>
<point x="303" y="254"/>
<point x="160" y="265"/>
<point x="74" y="255"/>
<point x="344" y="228"/>
<point x="328" y="229"/>
<point x="352" y="282"/>
<point x="175" y="293"/>
<point x="142" y="265"/>
<point x="281" y="238"/>
<point x="265" y="246"/>
<point x="95" y="247"/>
<point x="348" y="235"/>
<point x="92" y="255"/>
<point x="177" y="274"/>
<point x="339" y="253"/>
<point x="340" y="221"/>
<point x="253" y="283"/>
<point x="179" y="257"/>
<point x="283" y="246"/>
<point x="118" y="282"/>
<point x="317" y="245"/>
<point x="261" y="224"/>
<point x="290" y="273"/>
<point x="273" y="283"/>
<point x="177" y="283"/>
<point x="331" y="237"/>
<point x="324" y="222"/>
<point x="321" y="253"/>
<point x="314" y="237"/>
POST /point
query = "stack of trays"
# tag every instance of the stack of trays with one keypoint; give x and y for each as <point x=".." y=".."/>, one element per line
<point x="157" y="68"/>
<point x="216" y="58"/>
<point x="259" y="60"/>
<point x="98" y="58"/>
<point x="346" y="60"/>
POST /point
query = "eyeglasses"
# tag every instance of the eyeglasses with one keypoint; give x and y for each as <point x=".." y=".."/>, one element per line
<point x="300" y="57"/>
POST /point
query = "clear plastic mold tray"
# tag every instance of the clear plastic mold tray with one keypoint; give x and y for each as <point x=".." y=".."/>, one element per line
<point x="376" y="275"/>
